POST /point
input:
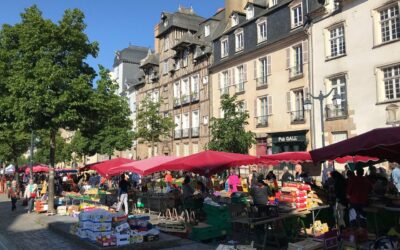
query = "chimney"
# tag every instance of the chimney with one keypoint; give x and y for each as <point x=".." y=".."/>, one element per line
<point x="156" y="40"/>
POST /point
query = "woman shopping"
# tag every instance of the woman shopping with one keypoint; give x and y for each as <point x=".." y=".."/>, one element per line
<point x="13" y="193"/>
<point x="30" y="194"/>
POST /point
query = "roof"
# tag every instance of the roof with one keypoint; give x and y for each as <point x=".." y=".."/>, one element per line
<point x="150" y="59"/>
<point x="183" y="18"/>
<point x="131" y="54"/>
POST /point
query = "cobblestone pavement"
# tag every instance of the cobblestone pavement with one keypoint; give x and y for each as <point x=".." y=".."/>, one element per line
<point x="20" y="230"/>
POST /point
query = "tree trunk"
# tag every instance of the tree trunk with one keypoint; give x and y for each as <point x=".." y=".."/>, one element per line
<point x="16" y="171"/>
<point x="51" y="171"/>
<point x="152" y="148"/>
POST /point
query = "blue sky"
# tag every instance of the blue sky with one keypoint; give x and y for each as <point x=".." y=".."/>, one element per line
<point x="113" y="23"/>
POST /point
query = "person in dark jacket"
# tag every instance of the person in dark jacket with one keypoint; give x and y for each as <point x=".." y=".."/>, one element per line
<point x="341" y="199"/>
<point x="286" y="175"/>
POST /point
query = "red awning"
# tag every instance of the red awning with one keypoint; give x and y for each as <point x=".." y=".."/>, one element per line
<point x="357" y="158"/>
<point x="103" y="166"/>
<point x="208" y="162"/>
<point x="382" y="143"/>
<point x="288" y="157"/>
<point x="37" y="169"/>
<point x="143" y="167"/>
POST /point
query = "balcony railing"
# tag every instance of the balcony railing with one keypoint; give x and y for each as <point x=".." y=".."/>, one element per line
<point x="297" y="117"/>
<point x="195" y="97"/>
<point x="240" y="87"/>
<point x="334" y="112"/>
<point x="195" y="132"/>
<point x="296" y="71"/>
<point x="185" y="133"/>
<point x="178" y="134"/>
<point x="177" y="102"/>
<point x="224" y="90"/>
<point x="262" y="82"/>
<point x="185" y="99"/>
<point x="262" y="121"/>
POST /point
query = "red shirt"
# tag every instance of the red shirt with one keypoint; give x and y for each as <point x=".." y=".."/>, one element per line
<point x="358" y="190"/>
<point x="168" y="178"/>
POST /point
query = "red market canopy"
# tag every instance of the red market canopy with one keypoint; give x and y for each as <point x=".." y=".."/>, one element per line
<point x="208" y="162"/>
<point x="37" y="169"/>
<point x="143" y="167"/>
<point x="288" y="157"/>
<point x="356" y="158"/>
<point x="382" y="143"/>
<point x="103" y="166"/>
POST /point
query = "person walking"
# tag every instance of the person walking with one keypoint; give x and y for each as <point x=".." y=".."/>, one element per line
<point x="30" y="194"/>
<point x="123" y="193"/>
<point x="13" y="194"/>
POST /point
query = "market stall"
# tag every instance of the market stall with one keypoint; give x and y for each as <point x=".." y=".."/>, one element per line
<point x="102" y="167"/>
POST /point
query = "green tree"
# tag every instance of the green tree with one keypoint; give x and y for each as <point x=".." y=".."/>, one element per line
<point x="63" y="149"/>
<point x="151" y="125"/>
<point x="47" y="76"/>
<point x="228" y="134"/>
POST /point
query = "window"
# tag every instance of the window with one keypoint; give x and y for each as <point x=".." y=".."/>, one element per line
<point x="239" y="40"/>
<point x="195" y="123"/>
<point x="185" y="125"/>
<point x="339" y="136"/>
<point x="224" y="47"/>
<point x="393" y="116"/>
<point x="273" y="3"/>
<point x="205" y="80"/>
<point x="186" y="149"/>
<point x="178" y="126"/>
<point x="234" y="20"/>
<point x="177" y="95"/>
<point x="155" y="96"/>
<point x="221" y="113"/>
<point x="391" y="80"/>
<point x="338" y="84"/>
<point x="194" y="88"/>
<point x="241" y="78"/>
<point x="264" y="108"/>
<point x="337" y="41"/>
<point x="207" y="30"/>
<point x="297" y="109"/>
<point x="389" y="20"/>
<point x="185" y="57"/>
<point x="249" y="12"/>
<point x="261" y="30"/>
<point x="262" y="68"/>
<point x="177" y="150"/>
<point x="241" y="106"/>
<point x="296" y="68"/>
<point x="165" y="67"/>
<point x="195" y="147"/>
<point x="297" y="16"/>
<point x="205" y="119"/>
<point x="224" y="82"/>
<point x="166" y="43"/>
<point x="185" y="93"/>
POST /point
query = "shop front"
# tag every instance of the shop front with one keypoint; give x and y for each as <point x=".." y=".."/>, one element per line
<point x="289" y="141"/>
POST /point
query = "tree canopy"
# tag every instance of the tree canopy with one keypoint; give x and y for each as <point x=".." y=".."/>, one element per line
<point x="228" y="134"/>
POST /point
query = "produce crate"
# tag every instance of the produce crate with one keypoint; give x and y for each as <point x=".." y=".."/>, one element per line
<point x="202" y="232"/>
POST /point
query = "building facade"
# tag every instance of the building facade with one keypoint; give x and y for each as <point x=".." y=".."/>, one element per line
<point x="126" y="73"/>
<point x="355" y="53"/>
<point x="262" y="58"/>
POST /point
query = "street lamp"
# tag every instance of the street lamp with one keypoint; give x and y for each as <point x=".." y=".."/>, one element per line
<point x="336" y="100"/>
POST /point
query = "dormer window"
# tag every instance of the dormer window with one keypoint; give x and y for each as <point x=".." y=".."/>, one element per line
<point x="297" y="15"/>
<point x="239" y="40"/>
<point x="273" y="3"/>
<point x="165" y="23"/>
<point x="207" y="30"/>
<point x="261" y="30"/>
<point x="234" y="20"/>
<point x="224" y="47"/>
<point x="249" y="12"/>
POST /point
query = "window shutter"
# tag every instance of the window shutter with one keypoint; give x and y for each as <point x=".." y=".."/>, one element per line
<point x="288" y="102"/>
<point x="288" y="58"/>
<point x="255" y="108"/>
<point x="269" y="105"/>
<point x="234" y="75"/>
<point x="305" y="51"/>
<point x="229" y="78"/>
<point x="255" y="69"/>
<point x="245" y="72"/>
<point x="219" y="80"/>
<point x="269" y="65"/>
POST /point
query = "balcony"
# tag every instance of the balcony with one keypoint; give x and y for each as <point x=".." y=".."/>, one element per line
<point x="239" y="88"/>
<point x="262" y="121"/>
<point x="224" y="90"/>
<point x="185" y="99"/>
<point x="195" y="132"/>
<point x="336" y="112"/>
<point x="178" y="134"/>
<point x="262" y="82"/>
<point x="194" y="97"/>
<point x="297" y="117"/>
<point x="296" y="72"/>
<point x="177" y="102"/>
<point x="185" y="133"/>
